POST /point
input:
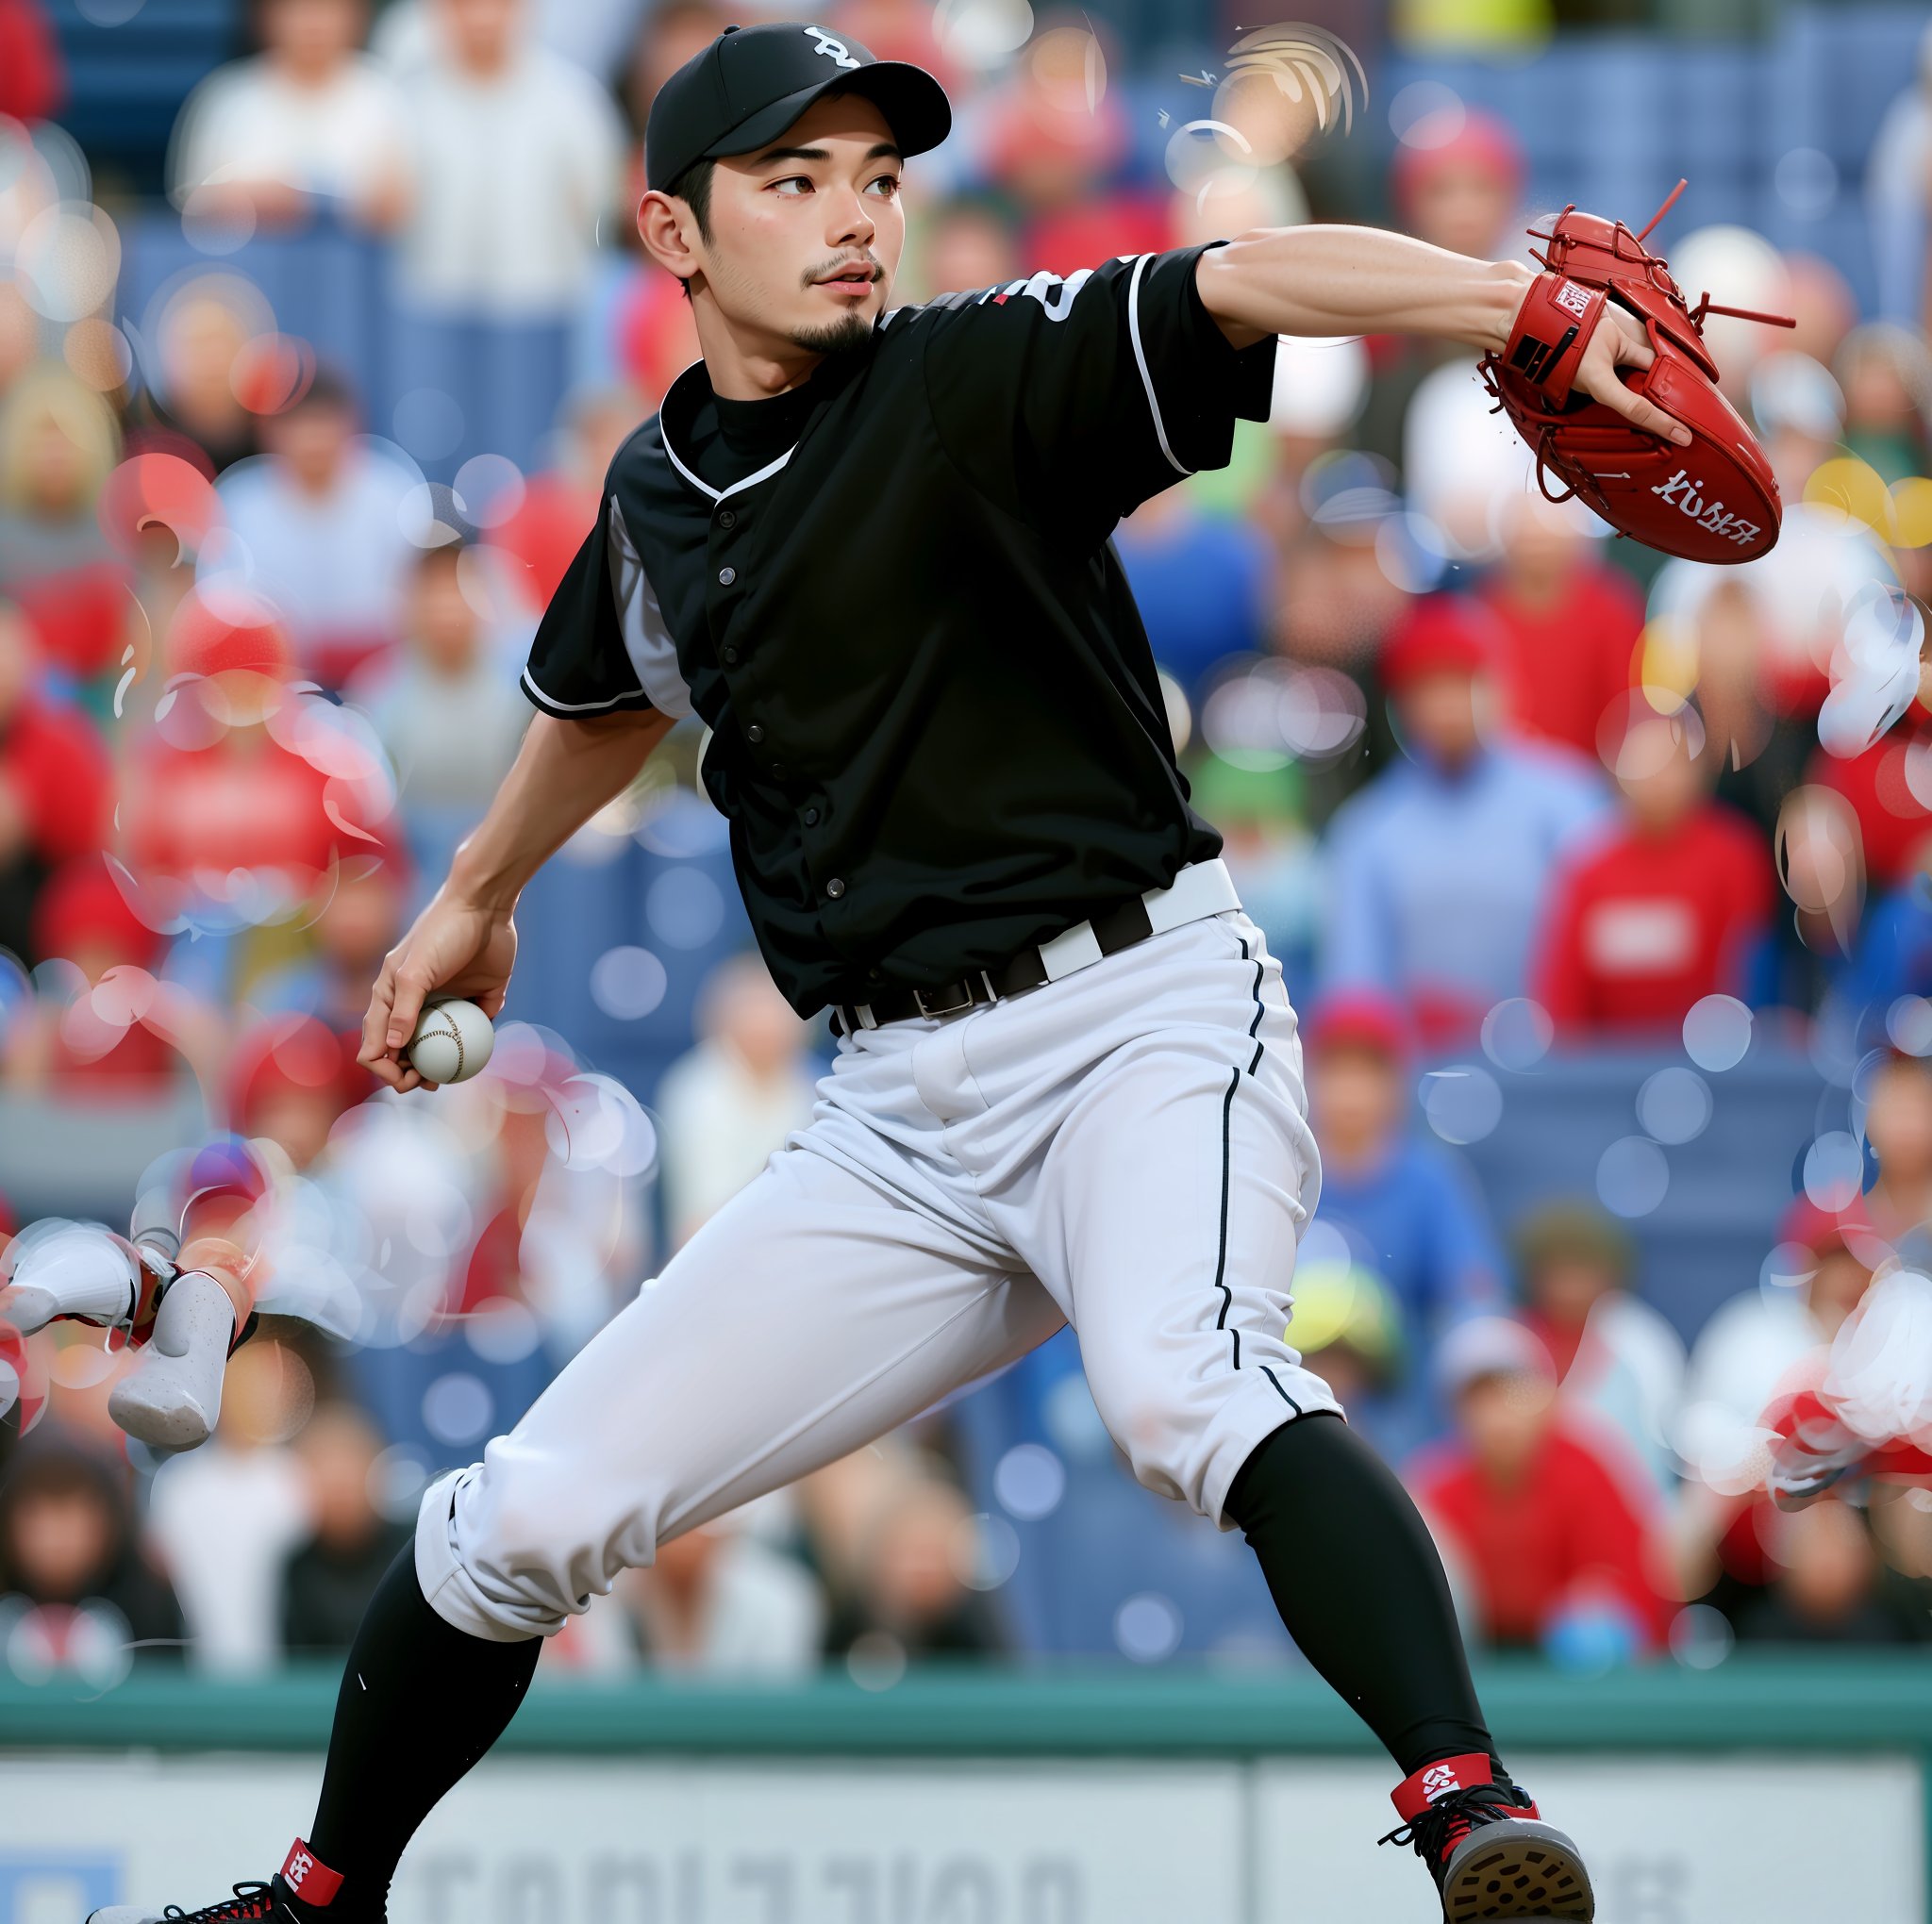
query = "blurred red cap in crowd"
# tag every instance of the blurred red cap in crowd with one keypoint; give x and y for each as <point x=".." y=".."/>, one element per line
<point x="1821" y="1231"/>
<point x="1361" y="1019"/>
<point x="1440" y="631"/>
<point x="1483" y="141"/>
<point x="81" y="905"/>
<point x="236" y="635"/>
<point x="292" y="1055"/>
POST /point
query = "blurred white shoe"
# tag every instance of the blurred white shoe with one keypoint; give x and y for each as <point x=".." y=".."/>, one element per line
<point x="74" y="1269"/>
<point x="172" y="1396"/>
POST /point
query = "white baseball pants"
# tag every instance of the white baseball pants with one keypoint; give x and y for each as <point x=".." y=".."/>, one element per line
<point x="1126" y="1150"/>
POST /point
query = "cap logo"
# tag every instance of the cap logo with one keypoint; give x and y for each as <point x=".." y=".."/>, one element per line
<point x="834" y="50"/>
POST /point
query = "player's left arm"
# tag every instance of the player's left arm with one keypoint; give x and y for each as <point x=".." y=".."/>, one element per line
<point x="1341" y="280"/>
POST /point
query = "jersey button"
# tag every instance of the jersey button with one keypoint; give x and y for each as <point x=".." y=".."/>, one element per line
<point x="726" y="518"/>
<point x="726" y="577"/>
<point x="756" y="733"/>
<point x="811" y="818"/>
<point x="730" y="658"/>
<point x="835" y="889"/>
<point x="777" y="772"/>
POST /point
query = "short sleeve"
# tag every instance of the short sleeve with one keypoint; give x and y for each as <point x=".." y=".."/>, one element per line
<point x="1080" y="397"/>
<point x="578" y="664"/>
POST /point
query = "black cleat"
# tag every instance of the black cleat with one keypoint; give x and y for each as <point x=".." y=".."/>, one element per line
<point x="1487" y="1847"/>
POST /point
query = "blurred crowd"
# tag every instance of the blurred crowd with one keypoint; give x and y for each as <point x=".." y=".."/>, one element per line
<point x="1491" y="782"/>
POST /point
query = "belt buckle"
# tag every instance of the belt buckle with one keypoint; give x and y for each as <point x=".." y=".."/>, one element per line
<point x="950" y="1008"/>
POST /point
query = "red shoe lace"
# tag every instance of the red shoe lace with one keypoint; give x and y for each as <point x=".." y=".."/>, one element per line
<point x="1444" y="1824"/>
<point x="250" y="1901"/>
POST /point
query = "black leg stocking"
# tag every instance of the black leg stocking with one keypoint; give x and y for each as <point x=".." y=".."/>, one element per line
<point x="1356" y="1578"/>
<point x="420" y="1702"/>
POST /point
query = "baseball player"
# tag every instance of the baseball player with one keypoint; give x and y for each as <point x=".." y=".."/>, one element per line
<point x="870" y="546"/>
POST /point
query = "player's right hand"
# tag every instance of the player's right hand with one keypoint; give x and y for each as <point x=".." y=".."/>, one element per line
<point x="454" y="948"/>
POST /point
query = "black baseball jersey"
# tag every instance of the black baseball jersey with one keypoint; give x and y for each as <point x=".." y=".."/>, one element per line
<point x="938" y="734"/>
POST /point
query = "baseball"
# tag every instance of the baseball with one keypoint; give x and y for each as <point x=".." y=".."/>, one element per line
<point x="451" y="1042"/>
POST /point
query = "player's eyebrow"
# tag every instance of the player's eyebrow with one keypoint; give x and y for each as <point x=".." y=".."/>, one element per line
<point x="884" y="150"/>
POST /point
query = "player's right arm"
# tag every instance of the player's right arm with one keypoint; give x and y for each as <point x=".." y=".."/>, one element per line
<point x="465" y="941"/>
<point x="597" y="717"/>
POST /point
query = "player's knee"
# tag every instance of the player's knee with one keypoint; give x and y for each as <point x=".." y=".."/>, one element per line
<point x="1156" y="1431"/>
<point x="530" y="1543"/>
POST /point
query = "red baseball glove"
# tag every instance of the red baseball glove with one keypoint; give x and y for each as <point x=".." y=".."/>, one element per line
<point x="1714" y="499"/>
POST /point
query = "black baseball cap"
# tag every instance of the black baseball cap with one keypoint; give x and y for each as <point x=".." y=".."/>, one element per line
<point x="752" y="82"/>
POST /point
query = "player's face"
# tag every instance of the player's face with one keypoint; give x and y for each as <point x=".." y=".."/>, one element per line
<point x="807" y="235"/>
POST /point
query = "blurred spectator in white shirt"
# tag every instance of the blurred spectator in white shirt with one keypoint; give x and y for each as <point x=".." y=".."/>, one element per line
<point x="733" y="1100"/>
<point x="719" y="1602"/>
<point x="309" y="119"/>
<point x="226" y="1516"/>
<point x="318" y="530"/>
<point x="448" y="716"/>
<point x="517" y="156"/>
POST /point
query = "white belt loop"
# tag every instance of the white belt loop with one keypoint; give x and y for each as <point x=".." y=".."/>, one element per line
<point x="1202" y="889"/>
<point x="1074" y="948"/>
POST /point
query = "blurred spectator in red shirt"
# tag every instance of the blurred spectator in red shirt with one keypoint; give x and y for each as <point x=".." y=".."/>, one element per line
<point x="33" y="77"/>
<point x="1895" y="825"/>
<point x="309" y="119"/>
<point x="1461" y="194"/>
<point x="321" y="523"/>
<point x="55" y="786"/>
<point x="1665" y="910"/>
<point x="115" y="1032"/>
<point x="245" y="791"/>
<point x="70" y="1545"/>
<point x="58" y="443"/>
<point x="1612" y="1352"/>
<point x="1568" y="625"/>
<point x="1544" y="1521"/>
<point x="1056" y="152"/>
<point x="537" y="543"/>
<point x="292" y="1080"/>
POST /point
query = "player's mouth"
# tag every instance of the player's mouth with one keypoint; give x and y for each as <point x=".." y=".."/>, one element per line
<point x="857" y="282"/>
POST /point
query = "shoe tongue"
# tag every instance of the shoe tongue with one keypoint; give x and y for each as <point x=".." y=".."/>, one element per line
<point x="1434" y="1781"/>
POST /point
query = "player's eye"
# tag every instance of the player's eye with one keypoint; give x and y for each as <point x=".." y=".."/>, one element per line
<point x="791" y="180"/>
<point x="890" y="183"/>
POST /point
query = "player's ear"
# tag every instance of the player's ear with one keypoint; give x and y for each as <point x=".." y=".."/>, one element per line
<point x="664" y="226"/>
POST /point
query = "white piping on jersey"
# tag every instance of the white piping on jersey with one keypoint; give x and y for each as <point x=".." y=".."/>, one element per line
<point x="1141" y="361"/>
<point x="764" y="473"/>
<point x="646" y="640"/>
<point x="579" y="707"/>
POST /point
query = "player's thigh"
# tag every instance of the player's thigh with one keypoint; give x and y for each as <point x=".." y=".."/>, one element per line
<point x="812" y="1314"/>
<point x="1175" y="1196"/>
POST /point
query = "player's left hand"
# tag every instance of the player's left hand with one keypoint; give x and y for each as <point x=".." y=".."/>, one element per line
<point x="1620" y="341"/>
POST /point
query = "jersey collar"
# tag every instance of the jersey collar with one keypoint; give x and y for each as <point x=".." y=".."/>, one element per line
<point x="682" y="399"/>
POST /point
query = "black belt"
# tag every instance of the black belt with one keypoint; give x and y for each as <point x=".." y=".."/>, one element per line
<point x="1119" y="928"/>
